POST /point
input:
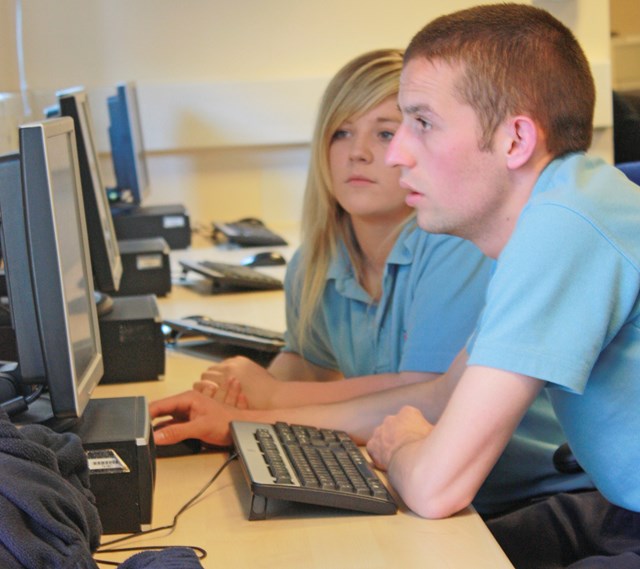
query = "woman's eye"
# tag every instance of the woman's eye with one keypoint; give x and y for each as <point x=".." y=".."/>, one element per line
<point x="339" y="134"/>
<point x="386" y="135"/>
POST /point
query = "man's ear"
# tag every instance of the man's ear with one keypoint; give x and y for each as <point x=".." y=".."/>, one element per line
<point x="521" y="141"/>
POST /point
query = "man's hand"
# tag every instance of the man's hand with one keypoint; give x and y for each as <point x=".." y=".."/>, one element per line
<point x="396" y="431"/>
<point x="191" y="415"/>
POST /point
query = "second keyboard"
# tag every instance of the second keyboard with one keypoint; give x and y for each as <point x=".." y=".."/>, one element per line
<point x="229" y="333"/>
<point x="227" y="277"/>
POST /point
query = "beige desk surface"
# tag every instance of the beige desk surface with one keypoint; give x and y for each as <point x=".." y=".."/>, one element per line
<point x="294" y="536"/>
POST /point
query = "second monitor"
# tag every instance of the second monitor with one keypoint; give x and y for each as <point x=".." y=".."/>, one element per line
<point x="132" y="219"/>
<point x="119" y="267"/>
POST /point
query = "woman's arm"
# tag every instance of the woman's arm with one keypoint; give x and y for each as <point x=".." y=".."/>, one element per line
<point x="289" y="366"/>
<point x="263" y="390"/>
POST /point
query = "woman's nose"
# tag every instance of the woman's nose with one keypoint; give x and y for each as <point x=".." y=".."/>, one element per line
<point x="360" y="150"/>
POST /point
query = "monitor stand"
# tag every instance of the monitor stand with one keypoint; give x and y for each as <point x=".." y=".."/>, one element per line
<point x="40" y="412"/>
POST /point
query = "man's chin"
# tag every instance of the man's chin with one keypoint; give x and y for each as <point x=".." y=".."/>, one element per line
<point x="428" y="224"/>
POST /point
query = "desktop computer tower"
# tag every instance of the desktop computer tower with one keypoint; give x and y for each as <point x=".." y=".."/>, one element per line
<point x="146" y="267"/>
<point x="132" y="340"/>
<point x="117" y="437"/>
<point x="139" y="222"/>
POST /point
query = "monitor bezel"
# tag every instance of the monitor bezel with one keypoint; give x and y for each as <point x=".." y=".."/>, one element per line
<point x="107" y="263"/>
<point x="17" y="272"/>
<point x="127" y="143"/>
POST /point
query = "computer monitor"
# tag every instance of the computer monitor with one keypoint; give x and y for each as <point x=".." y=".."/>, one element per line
<point x="103" y="244"/>
<point x="127" y="146"/>
<point x="48" y="271"/>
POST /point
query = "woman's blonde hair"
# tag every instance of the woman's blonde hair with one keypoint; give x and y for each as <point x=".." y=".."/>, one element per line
<point x="358" y="87"/>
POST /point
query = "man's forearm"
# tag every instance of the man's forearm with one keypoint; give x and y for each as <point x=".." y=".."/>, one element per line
<point x="293" y="394"/>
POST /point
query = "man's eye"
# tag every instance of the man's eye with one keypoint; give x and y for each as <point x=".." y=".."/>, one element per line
<point x="423" y="123"/>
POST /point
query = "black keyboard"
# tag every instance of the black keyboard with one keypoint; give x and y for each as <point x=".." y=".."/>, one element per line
<point x="248" y="232"/>
<point x="227" y="277"/>
<point x="228" y="333"/>
<point x="305" y="464"/>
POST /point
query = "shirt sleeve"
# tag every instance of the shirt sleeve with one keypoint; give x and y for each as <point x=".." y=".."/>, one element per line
<point x="560" y="293"/>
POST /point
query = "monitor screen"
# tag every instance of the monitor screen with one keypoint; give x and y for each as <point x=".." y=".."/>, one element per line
<point x="127" y="146"/>
<point x="103" y="244"/>
<point x="48" y="269"/>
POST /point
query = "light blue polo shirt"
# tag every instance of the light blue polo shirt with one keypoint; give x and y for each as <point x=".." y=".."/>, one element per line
<point x="564" y="307"/>
<point x="434" y="289"/>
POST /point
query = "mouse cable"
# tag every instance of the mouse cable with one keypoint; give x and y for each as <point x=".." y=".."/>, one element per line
<point x="204" y="229"/>
<point x="202" y="553"/>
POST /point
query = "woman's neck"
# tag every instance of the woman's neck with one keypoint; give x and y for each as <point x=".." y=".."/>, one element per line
<point x="375" y="241"/>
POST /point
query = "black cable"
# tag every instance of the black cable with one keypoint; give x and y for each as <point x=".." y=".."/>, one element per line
<point x="104" y="548"/>
<point x="201" y="553"/>
<point x="35" y="394"/>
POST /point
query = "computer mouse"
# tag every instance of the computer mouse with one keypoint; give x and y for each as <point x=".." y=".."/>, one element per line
<point x="183" y="448"/>
<point x="264" y="259"/>
<point x="251" y="221"/>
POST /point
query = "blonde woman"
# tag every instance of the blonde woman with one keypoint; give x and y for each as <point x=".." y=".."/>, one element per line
<point x="367" y="293"/>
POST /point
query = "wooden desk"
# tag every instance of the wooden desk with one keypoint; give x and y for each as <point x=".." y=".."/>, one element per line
<point x="295" y="536"/>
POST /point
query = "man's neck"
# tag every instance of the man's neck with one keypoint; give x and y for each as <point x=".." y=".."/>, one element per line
<point x="521" y="187"/>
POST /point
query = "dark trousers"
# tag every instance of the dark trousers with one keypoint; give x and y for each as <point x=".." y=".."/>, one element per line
<point x="578" y="530"/>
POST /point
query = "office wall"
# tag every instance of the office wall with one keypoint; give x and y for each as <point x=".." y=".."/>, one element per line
<point x="8" y="69"/>
<point x="625" y="44"/>
<point x="228" y="90"/>
<point x="625" y="17"/>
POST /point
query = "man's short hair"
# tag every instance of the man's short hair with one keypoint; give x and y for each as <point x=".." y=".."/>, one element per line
<point x="515" y="59"/>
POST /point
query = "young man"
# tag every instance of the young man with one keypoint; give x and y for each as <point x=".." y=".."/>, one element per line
<point x="497" y="105"/>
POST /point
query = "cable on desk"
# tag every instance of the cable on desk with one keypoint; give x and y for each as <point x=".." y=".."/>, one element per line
<point x="200" y="552"/>
<point x="199" y="228"/>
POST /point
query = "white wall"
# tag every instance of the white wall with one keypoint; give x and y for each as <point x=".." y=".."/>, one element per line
<point x="625" y="43"/>
<point x="228" y="90"/>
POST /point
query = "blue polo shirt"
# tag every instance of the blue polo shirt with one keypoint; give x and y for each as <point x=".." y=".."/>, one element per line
<point x="433" y="291"/>
<point x="564" y="307"/>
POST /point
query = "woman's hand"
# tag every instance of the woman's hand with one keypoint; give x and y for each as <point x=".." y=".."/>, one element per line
<point x="228" y="392"/>
<point x="239" y="382"/>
